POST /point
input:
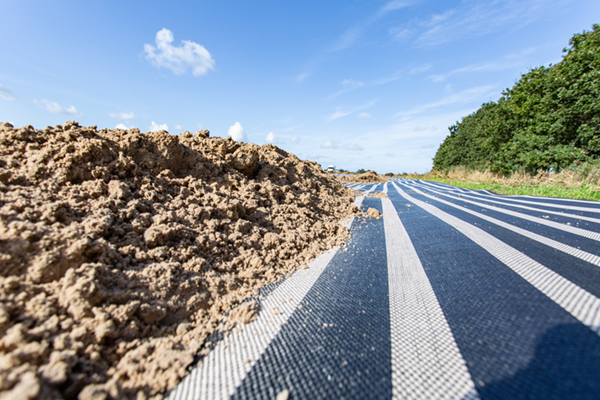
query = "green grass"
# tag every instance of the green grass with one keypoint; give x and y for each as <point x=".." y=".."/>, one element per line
<point x="583" y="193"/>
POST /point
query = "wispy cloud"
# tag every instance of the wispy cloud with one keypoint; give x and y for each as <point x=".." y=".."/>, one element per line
<point x="189" y="55"/>
<point x="55" y="108"/>
<point x="339" y="113"/>
<point x="352" y="146"/>
<point x="473" y="19"/>
<point x="348" y="86"/>
<point x="177" y="126"/>
<point x="397" y="4"/>
<point x="477" y="93"/>
<point x="295" y="139"/>
<point x="303" y="76"/>
<point x="351" y="83"/>
<point x="494" y="66"/>
<point x="518" y="55"/>
<point x="364" y="115"/>
<point x="122" y="115"/>
<point x="335" y="144"/>
<point x="394" y="77"/>
<point x="420" y="69"/>
<point x="351" y="35"/>
<point x="7" y="94"/>
<point x="314" y="156"/>
<point x="336" y="115"/>
<point x="293" y="128"/>
<point x="399" y="74"/>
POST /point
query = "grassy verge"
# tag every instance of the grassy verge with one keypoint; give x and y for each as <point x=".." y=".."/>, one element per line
<point x="581" y="183"/>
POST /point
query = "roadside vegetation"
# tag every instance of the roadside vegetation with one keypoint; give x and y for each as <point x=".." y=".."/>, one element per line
<point x="542" y="137"/>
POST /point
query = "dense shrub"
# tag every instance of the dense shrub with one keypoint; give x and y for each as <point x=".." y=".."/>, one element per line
<point x="549" y="119"/>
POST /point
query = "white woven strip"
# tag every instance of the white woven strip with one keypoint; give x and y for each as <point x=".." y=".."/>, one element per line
<point x="538" y="203"/>
<point x="371" y="188"/>
<point x="554" y="198"/>
<point x="426" y="361"/>
<point x="225" y="367"/>
<point x="581" y="304"/>
<point x="584" y="255"/>
<point x="562" y="214"/>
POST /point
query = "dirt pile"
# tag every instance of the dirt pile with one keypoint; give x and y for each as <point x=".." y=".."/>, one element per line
<point x="367" y="177"/>
<point x="120" y="251"/>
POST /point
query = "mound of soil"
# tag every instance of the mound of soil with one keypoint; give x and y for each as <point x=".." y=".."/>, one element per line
<point x="367" y="177"/>
<point x="120" y="251"/>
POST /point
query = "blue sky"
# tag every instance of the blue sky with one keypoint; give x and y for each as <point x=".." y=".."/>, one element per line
<point x="370" y="84"/>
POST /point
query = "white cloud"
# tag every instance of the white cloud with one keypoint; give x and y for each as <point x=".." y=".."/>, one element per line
<point x="477" y="93"/>
<point x="123" y="126"/>
<point x="330" y="145"/>
<point x="55" y="108"/>
<point x="237" y="133"/>
<point x="154" y="127"/>
<point x="177" y="126"/>
<point x="272" y="138"/>
<point x="7" y="94"/>
<point x="122" y="115"/>
<point x="295" y="139"/>
<point x="364" y="115"/>
<point x="179" y="59"/>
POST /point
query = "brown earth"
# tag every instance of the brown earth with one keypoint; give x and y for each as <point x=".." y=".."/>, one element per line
<point x="368" y="176"/>
<point x="120" y="251"/>
<point x="379" y="195"/>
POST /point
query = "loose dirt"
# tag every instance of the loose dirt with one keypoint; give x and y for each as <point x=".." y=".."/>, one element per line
<point x="373" y="213"/>
<point x="120" y="251"/>
<point x="379" y="195"/>
<point x="368" y="176"/>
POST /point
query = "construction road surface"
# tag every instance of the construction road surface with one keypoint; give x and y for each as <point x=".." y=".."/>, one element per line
<point x="452" y="294"/>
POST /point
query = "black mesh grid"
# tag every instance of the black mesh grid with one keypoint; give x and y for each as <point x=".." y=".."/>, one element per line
<point x="337" y="345"/>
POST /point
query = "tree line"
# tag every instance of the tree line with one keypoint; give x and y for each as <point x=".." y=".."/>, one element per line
<point x="550" y="118"/>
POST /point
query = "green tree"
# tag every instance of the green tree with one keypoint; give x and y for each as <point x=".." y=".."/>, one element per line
<point x="550" y="118"/>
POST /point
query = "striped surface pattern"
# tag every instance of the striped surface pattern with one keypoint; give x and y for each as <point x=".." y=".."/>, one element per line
<point x="453" y="294"/>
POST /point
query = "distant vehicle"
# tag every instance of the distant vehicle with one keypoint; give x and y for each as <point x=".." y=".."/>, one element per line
<point x="331" y="168"/>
